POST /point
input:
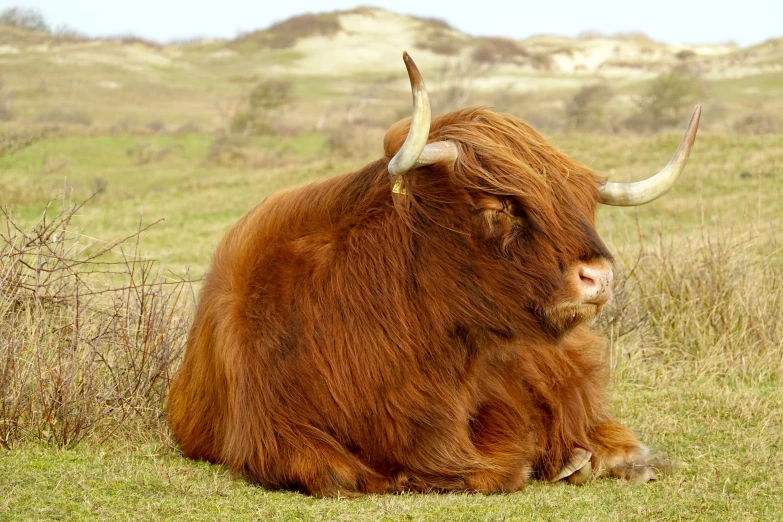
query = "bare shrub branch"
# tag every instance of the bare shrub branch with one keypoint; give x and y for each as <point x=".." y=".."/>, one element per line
<point x="89" y="334"/>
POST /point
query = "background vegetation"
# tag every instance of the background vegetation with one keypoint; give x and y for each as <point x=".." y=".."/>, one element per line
<point x="123" y="162"/>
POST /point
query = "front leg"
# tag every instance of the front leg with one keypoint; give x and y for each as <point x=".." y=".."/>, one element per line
<point x="614" y="452"/>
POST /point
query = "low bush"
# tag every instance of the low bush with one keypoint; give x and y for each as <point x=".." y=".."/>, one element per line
<point x="758" y="123"/>
<point x="667" y="101"/>
<point x="12" y="141"/>
<point x="253" y="115"/>
<point x="89" y="333"/>
<point x="585" y="110"/>
<point x="712" y="307"/>
<point x="24" y="18"/>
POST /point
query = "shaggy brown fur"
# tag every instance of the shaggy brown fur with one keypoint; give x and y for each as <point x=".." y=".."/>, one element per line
<point x="346" y="342"/>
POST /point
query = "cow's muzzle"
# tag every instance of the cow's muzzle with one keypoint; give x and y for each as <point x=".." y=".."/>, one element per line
<point x="593" y="282"/>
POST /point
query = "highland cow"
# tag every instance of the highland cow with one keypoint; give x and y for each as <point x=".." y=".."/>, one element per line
<point x="421" y="324"/>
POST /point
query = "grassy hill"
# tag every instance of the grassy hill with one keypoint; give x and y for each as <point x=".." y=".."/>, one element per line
<point x="335" y="59"/>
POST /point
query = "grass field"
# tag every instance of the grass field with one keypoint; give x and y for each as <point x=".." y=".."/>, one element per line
<point x="720" y="425"/>
<point x="725" y="443"/>
<point x="696" y="329"/>
<point x="732" y="182"/>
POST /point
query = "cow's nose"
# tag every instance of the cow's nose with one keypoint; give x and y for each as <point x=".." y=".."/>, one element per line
<point x="595" y="282"/>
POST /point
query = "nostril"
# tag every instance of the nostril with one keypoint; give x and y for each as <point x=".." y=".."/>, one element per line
<point x="595" y="282"/>
<point x="586" y="277"/>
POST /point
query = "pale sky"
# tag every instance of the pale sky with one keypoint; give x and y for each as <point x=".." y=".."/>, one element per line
<point x="745" y="22"/>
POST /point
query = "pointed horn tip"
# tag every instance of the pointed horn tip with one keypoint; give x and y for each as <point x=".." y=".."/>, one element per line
<point x="695" y="116"/>
<point x="693" y="126"/>
<point x="413" y="71"/>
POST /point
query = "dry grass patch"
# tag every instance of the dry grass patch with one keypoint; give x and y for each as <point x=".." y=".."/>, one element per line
<point x="89" y="332"/>
<point x="706" y="307"/>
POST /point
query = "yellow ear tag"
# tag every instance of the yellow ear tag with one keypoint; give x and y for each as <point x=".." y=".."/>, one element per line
<point x="399" y="186"/>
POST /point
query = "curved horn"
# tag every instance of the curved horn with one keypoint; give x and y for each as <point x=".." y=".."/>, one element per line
<point x="438" y="152"/>
<point x="415" y="152"/>
<point x="641" y="192"/>
<point x="419" y="131"/>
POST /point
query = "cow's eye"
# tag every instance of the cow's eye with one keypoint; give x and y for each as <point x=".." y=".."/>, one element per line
<point x="517" y="212"/>
<point x="525" y="222"/>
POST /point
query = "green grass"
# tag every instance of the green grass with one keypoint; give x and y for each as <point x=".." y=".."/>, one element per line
<point x="197" y="201"/>
<point x="723" y="437"/>
<point x="722" y="433"/>
<point x="732" y="181"/>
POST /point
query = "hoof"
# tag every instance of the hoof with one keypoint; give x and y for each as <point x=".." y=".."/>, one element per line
<point x="578" y="469"/>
